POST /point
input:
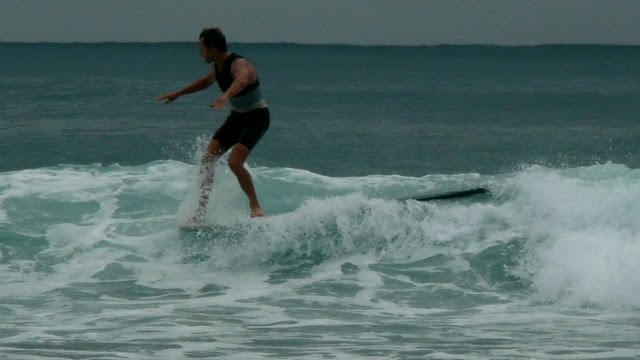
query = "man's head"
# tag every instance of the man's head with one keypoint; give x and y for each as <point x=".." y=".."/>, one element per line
<point x="212" y="42"/>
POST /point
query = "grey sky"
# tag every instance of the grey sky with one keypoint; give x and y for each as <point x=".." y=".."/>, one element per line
<point x="505" y="22"/>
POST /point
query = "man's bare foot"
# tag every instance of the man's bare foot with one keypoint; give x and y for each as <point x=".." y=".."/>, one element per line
<point x="256" y="212"/>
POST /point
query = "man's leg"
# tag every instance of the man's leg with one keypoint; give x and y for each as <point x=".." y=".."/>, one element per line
<point x="213" y="153"/>
<point x="236" y="160"/>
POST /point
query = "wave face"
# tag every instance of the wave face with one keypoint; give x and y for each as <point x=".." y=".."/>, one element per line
<point x="92" y="258"/>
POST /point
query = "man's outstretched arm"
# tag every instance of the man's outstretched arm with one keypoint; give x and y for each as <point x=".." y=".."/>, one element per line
<point x="196" y="86"/>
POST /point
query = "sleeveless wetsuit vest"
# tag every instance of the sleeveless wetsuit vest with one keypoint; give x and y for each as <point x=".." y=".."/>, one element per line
<point x="250" y="98"/>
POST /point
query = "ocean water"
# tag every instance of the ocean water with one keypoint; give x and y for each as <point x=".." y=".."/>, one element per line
<point x="96" y="177"/>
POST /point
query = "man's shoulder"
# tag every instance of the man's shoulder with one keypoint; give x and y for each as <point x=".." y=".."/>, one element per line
<point x="241" y="62"/>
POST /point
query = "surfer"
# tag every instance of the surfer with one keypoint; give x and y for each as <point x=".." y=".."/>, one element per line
<point x="248" y="121"/>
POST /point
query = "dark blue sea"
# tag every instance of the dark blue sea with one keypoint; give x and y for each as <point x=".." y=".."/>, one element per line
<point x="96" y="177"/>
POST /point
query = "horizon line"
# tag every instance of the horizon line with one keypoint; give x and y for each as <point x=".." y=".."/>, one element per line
<point x="322" y="44"/>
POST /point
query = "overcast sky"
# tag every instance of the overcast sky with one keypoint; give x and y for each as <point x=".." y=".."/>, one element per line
<point x="402" y="22"/>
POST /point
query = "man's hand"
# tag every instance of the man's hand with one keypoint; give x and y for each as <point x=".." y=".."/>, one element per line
<point x="221" y="102"/>
<point x="169" y="97"/>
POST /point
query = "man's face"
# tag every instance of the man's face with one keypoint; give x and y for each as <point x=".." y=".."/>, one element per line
<point x="206" y="52"/>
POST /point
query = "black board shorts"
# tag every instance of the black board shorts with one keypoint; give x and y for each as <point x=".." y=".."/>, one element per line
<point x="244" y="128"/>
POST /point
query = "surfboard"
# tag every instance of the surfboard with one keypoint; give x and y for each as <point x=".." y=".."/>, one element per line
<point x="448" y="195"/>
<point x="432" y="196"/>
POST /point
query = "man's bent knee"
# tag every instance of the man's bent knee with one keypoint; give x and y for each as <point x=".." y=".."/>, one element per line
<point x="214" y="150"/>
<point x="236" y="165"/>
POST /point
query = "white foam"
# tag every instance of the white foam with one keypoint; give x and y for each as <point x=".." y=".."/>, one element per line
<point x="584" y="233"/>
<point x="580" y="224"/>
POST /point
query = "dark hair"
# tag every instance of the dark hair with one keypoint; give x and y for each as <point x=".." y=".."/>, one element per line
<point x="213" y="37"/>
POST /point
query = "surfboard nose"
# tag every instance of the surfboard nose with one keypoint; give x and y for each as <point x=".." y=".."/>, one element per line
<point x="448" y="195"/>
